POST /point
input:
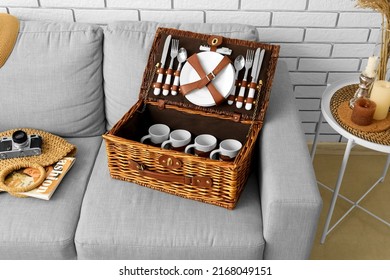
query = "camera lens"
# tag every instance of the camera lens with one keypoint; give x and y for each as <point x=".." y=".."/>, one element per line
<point x="19" y="137"/>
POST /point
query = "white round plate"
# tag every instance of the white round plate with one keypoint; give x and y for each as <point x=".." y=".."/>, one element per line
<point x="223" y="82"/>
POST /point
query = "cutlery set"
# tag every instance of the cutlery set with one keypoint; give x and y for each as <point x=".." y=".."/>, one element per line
<point x="252" y="62"/>
<point x="258" y="60"/>
<point x="175" y="52"/>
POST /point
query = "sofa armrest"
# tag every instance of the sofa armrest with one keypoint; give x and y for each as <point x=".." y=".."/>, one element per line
<point x="290" y="200"/>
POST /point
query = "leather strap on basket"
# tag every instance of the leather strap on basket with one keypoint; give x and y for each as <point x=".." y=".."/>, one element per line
<point x="214" y="42"/>
<point x="205" y="79"/>
<point x="193" y="181"/>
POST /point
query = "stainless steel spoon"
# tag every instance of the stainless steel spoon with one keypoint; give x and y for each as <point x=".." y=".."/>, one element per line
<point x="181" y="57"/>
<point x="239" y="63"/>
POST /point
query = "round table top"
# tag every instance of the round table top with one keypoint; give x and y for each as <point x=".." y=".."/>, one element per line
<point x="327" y="114"/>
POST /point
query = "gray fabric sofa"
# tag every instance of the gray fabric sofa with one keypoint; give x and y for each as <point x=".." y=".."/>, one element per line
<point x="76" y="80"/>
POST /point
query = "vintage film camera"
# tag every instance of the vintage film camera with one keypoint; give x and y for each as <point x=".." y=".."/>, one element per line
<point x="20" y="145"/>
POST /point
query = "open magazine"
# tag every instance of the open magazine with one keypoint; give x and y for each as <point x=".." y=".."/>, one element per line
<point x="54" y="174"/>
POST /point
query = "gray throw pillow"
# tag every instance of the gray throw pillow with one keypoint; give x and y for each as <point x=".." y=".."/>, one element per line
<point x="53" y="80"/>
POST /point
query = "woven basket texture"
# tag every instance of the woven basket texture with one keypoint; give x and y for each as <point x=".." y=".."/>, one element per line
<point x="228" y="178"/>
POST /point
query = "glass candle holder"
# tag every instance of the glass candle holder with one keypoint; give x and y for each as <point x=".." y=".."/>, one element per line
<point x="362" y="91"/>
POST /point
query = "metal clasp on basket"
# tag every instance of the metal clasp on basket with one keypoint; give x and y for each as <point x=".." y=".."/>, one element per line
<point x="135" y="165"/>
<point x="170" y="162"/>
<point x="140" y="167"/>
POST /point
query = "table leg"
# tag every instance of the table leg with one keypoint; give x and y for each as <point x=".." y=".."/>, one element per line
<point x="315" y="141"/>
<point x="347" y="152"/>
<point x="386" y="168"/>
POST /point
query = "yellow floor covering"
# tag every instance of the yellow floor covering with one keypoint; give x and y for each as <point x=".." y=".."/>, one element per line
<point x="359" y="236"/>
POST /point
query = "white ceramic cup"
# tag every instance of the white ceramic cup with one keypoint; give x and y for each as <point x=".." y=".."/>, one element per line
<point x="158" y="133"/>
<point x="203" y="145"/>
<point x="178" y="139"/>
<point x="228" y="149"/>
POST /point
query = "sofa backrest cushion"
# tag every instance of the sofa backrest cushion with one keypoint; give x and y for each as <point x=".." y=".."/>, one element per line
<point x="53" y="80"/>
<point x="126" y="51"/>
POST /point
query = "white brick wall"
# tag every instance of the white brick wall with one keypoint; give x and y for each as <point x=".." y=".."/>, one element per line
<point x="140" y="4"/>
<point x="104" y="16"/>
<point x="252" y="18"/>
<point x="322" y="41"/>
<point x="352" y="50"/>
<point x="206" y="4"/>
<point x="42" y="14"/>
<point x="73" y="3"/>
<point x="328" y="64"/>
<point x="359" y="20"/>
<point x="273" y="5"/>
<point x="374" y="35"/>
<point x="281" y="34"/>
<point x="336" y="35"/>
<point x="172" y="16"/>
<point x="305" y="50"/>
<point x="330" y="5"/>
<point x="15" y="3"/>
<point x="304" y="19"/>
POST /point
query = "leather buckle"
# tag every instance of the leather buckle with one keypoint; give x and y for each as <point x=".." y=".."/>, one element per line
<point x="210" y="76"/>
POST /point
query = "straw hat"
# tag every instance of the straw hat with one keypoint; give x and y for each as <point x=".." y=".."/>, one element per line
<point x="9" y="29"/>
<point x="54" y="148"/>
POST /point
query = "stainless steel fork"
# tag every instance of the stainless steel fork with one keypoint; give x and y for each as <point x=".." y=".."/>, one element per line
<point x="174" y="51"/>
<point x="248" y="65"/>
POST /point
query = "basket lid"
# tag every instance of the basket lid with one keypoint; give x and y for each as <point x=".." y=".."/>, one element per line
<point x="207" y="78"/>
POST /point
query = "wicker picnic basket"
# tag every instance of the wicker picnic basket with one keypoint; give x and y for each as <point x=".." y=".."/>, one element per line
<point x="198" y="178"/>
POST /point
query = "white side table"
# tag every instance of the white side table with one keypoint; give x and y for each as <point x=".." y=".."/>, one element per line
<point x="352" y="141"/>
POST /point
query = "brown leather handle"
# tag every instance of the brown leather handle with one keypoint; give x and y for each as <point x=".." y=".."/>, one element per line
<point x="193" y="181"/>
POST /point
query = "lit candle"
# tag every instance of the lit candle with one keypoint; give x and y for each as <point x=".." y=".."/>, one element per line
<point x="380" y="94"/>
<point x="363" y="111"/>
<point x="370" y="70"/>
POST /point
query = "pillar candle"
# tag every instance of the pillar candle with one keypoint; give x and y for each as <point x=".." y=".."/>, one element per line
<point x="370" y="70"/>
<point x="363" y="111"/>
<point x="380" y="94"/>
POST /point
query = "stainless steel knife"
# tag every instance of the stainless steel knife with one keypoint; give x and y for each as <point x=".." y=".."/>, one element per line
<point x="157" y="89"/>
<point x="258" y="61"/>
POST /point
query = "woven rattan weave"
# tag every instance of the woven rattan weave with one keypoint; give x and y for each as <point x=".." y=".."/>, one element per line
<point x="345" y="94"/>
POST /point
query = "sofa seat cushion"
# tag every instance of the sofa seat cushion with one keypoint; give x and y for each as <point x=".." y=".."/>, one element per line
<point x="121" y="220"/>
<point x="38" y="229"/>
<point x="126" y="51"/>
<point x="53" y="80"/>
